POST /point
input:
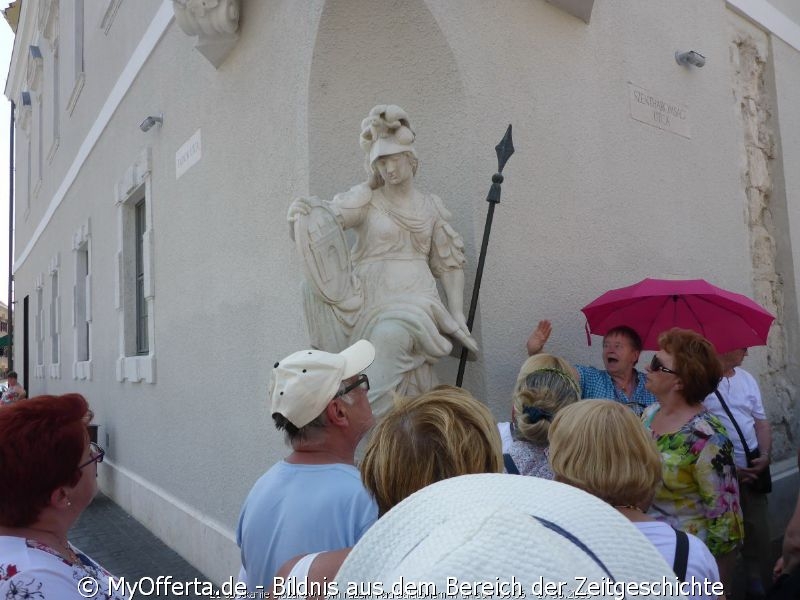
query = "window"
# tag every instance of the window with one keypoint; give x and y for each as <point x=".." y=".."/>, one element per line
<point x="77" y="54"/>
<point x="56" y="103"/>
<point x="135" y="298"/>
<point x="39" y="329"/>
<point x="82" y="303"/>
<point x="141" y="306"/>
<point x="3" y="326"/>
<point x="78" y="32"/>
<point x="81" y="296"/>
<point x="54" y="319"/>
<point x="29" y="179"/>
<point x="40" y="141"/>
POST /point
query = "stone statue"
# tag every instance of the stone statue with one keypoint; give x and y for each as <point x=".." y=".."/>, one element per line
<point x="384" y="288"/>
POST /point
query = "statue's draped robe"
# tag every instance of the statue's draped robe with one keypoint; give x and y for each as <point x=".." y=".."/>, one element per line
<point x="395" y="258"/>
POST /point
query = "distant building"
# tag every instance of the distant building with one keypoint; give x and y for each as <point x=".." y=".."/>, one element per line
<point x="159" y="144"/>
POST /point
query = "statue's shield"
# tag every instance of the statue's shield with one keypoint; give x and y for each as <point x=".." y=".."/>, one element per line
<point x="326" y="256"/>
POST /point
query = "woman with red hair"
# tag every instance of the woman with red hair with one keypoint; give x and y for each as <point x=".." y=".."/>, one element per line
<point x="48" y="476"/>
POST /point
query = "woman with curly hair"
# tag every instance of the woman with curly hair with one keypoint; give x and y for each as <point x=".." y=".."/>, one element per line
<point x="699" y="492"/>
<point x="545" y="385"/>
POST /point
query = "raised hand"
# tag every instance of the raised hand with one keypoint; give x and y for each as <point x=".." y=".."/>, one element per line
<point x="538" y="337"/>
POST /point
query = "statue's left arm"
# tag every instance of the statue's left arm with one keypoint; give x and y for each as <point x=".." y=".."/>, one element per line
<point x="447" y="264"/>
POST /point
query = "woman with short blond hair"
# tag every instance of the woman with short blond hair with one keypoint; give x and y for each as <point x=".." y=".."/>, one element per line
<point x="441" y="434"/>
<point x="601" y="447"/>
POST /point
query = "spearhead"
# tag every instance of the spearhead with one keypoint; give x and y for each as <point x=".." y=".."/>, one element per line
<point x="504" y="151"/>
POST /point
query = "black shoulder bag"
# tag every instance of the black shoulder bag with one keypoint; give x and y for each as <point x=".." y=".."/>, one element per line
<point x="763" y="485"/>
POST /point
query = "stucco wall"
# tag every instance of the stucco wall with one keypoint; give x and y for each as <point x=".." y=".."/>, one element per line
<point x="593" y="199"/>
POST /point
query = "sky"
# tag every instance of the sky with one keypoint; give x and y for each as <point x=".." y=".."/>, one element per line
<point x="6" y="46"/>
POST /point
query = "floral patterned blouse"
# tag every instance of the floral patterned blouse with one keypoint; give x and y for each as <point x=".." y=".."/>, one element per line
<point x="698" y="492"/>
<point x="531" y="459"/>
<point x="30" y="570"/>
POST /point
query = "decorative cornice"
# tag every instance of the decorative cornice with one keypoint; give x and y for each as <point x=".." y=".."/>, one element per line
<point x="134" y="176"/>
<point x="214" y="22"/>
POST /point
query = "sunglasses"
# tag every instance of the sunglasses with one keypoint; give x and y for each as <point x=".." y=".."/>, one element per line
<point x="96" y="452"/>
<point x="657" y="365"/>
<point x="361" y="379"/>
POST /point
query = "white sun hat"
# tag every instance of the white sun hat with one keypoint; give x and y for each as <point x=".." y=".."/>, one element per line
<point x="305" y="382"/>
<point x="491" y="532"/>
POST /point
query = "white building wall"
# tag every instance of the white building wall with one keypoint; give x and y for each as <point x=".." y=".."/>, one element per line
<point x="593" y="199"/>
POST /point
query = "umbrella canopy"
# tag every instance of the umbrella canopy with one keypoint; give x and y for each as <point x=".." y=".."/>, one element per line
<point x="727" y="320"/>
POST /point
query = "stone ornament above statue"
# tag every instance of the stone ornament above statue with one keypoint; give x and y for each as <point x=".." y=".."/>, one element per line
<point x="214" y="22"/>
<point x="384" y="288"/>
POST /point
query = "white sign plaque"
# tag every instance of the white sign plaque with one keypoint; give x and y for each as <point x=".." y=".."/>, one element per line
<point x="658" y="111"/>
<point x="188" y="155"/>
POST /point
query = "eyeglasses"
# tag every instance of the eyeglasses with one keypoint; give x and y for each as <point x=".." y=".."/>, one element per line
<point x="96" y="453"/>
<point x="657" y="365"/>
<point x="361" y="379"/>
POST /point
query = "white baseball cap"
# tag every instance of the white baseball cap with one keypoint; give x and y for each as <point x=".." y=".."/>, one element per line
<point x="490" y="528"/>
<point x="305" y="382"/>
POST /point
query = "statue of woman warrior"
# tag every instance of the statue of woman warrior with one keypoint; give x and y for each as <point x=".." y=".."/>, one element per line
<point x="384" y="288"/>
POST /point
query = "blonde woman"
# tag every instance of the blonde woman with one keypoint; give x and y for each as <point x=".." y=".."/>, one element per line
<point x="437" y="435"/>
<point x="545" y="385"/>
<point x="601" y="447"/>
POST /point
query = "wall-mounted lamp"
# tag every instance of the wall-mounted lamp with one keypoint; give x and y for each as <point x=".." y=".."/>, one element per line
<point x="150" y="121"/>
<point x="26" y="98"/>
<point x="690" y="58"/>
<point x="36" y="53"/>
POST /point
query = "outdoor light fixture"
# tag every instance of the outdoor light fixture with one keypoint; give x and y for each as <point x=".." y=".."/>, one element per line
<point x="36" y="53"/>
<point x="26" y="98"/>
<point x="690" y="58"/>
<point x="148" y="123"/>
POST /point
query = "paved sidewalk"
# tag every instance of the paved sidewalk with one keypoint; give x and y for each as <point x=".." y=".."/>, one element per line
<point x="125" y="547"/>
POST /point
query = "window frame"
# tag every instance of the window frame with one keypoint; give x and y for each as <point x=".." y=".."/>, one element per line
<point x="135" y="363"/>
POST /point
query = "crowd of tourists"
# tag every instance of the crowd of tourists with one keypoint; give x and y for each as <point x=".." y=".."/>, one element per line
<point x="607" y="475"/>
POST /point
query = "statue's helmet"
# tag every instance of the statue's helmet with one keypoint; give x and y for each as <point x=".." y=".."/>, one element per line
<point x="385" y="131"/>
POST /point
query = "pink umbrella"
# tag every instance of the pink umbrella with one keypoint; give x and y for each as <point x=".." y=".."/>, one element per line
<point x="727" y="320"/>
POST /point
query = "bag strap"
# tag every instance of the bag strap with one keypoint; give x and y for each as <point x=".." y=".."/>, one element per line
<point x="511" y="467"/>
<point x="727" y="410"/>
<point x="681" y="561"/>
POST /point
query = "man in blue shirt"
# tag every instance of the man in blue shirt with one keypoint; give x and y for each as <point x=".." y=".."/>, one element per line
<point x="619" y="380"/>
<point x="313" y="500"/>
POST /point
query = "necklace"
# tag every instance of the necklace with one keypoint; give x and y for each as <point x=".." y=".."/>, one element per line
<point x="62" y="548"/>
